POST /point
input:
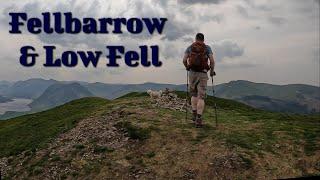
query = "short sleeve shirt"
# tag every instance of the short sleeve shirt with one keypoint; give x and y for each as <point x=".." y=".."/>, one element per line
<point x="209" y="50"/>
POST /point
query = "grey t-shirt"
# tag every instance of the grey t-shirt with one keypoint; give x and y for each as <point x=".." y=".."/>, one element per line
<point x="209" y="51"/>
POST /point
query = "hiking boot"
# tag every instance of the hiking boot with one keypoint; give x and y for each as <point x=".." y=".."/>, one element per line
<point x="199" y="122"/>
<point x="194" y="116"/>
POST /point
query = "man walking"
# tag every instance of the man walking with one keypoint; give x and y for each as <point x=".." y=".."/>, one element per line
<point x="196" y="62"/>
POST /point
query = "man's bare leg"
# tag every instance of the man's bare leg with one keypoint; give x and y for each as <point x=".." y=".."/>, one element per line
<point x="194" y="104"/>
<point x="200" y="106"/>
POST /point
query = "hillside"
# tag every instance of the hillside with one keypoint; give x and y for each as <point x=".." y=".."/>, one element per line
<point x="294" y="98"/>
<point x="275" y="105"/>
<point x="132" y="138"/>
<point x="58" y="94"/>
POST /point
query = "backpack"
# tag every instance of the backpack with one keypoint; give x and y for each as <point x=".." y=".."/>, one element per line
<point x="198" y="59"/>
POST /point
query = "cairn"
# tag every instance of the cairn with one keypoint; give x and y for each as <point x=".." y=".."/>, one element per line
<point x="170" y="100"/>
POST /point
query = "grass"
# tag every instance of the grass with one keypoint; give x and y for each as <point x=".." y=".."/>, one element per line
<point x="79" y="146"/>
<point x="248" y="162"/>
<point x="55" y="158"/>
<point x="102" y="149"/>
<point x="30" y="132"/>
<point x="151" y="154"/>
<point x="167" y="137"/>
<point x="134" y="132"/>
<point x="133" y="95"/>
<point x="36" y="167"/>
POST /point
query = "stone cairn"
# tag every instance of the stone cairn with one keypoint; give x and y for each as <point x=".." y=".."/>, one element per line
<point x="170" y="100"/>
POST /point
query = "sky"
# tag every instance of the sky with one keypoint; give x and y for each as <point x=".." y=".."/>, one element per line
<point x="266" y="41"/>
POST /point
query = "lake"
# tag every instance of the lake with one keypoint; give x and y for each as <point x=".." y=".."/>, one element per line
<point x="18" y="104"/>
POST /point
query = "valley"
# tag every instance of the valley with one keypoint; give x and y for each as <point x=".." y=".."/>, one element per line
<point x="17" y="105"/>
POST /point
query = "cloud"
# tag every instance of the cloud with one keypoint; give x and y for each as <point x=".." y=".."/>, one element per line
<point x="243" y="11"/>
<point x="248" y="33"/>
<point x="261" y="7"/>
<point x="316" y="54"/>
<point x="276" y="20"/>
<point x="201" y="1"/>
<point x="227" y="49"/>
<point x="176" y="30"/>
<point x="211" y="18"/>
<point x="257" y="27"/>
<point x="238" y="64"/>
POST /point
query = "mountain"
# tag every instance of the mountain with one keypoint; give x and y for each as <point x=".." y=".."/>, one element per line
<point x="4" y="85"/>
<point x="275" y="105"/>
<point x="132" y="137"/>
<point x="112" y="91"/>
<point x="241" y="88"/>
<point x="29" y="89"/>
<point x="294" y="98"/>
<point x="4" y="99"/>
<point x="58" y="94"/>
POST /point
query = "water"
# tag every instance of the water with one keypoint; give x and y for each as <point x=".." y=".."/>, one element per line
<point x="19" y="105"/>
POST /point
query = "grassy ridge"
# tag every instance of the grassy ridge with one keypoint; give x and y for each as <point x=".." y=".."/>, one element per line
<point x="165" y="142"/>
<point x="239" y="120"/>
<point x="33" y="131"/>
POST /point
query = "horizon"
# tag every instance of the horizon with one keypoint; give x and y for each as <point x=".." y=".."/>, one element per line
<point x="215" y="84"/>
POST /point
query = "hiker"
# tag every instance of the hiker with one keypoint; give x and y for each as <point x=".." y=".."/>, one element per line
<point x="195" y="61"/>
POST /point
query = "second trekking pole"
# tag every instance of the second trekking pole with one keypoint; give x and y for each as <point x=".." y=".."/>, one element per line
<point x="215" y="105"/>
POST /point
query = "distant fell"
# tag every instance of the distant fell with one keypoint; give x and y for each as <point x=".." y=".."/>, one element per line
<point x="58" y="94"/>
<point x="29" y="89"/>
<point x="292" y="98"/>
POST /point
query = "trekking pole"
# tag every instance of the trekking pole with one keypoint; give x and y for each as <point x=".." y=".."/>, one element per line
<point x="187" y="96"/>
<point x="214" y="101"/>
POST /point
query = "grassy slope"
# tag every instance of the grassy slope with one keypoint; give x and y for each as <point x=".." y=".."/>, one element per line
<point x="269" y="144"/>
<point x="33" y="131"/>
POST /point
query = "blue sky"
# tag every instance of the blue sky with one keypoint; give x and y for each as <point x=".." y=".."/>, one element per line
<point x="263" y="41"/>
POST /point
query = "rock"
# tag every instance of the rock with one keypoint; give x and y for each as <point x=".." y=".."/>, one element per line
<point x="170" y="100"/>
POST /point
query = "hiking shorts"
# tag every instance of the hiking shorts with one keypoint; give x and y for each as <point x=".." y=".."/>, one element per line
<point x="198" y="84"/>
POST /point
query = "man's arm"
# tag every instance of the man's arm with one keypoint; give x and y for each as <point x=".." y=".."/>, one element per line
<point x="212" y="63"/>
<point x="185" y="60"/>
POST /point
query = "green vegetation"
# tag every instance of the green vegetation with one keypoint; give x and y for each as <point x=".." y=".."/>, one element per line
<point x="150" y="154"/>
<point x="134" y="95"/>
<point x="30" y="132"/>
<point x="102" y="149"/>
<point x="134" y="132"/>
<point x="79" y="146"/>
<point x="255" y="143"/>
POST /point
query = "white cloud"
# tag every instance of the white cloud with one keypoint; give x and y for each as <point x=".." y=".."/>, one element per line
<point x="248" y="38"/>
